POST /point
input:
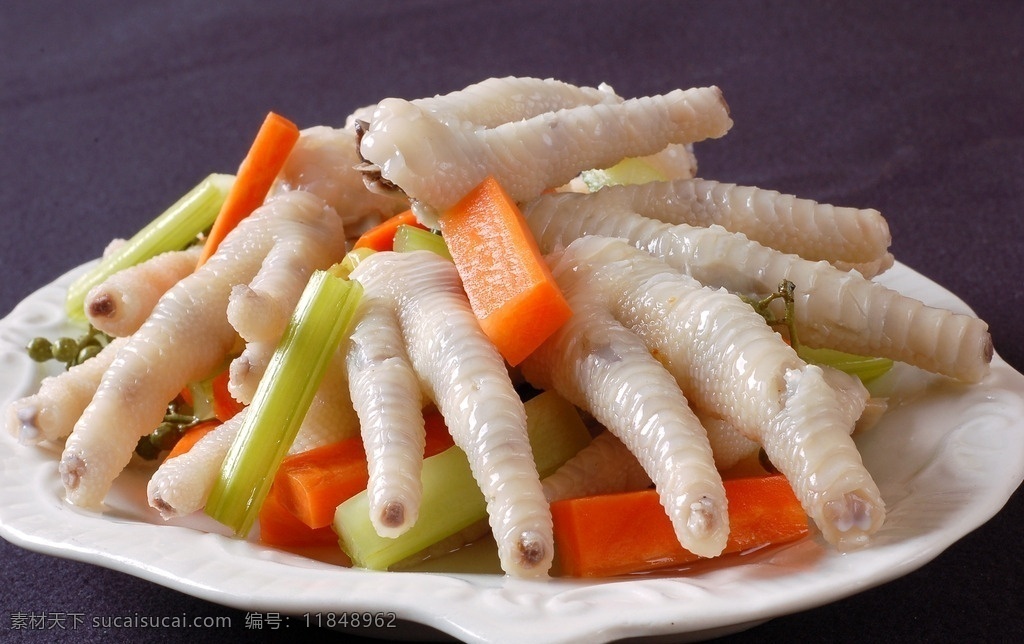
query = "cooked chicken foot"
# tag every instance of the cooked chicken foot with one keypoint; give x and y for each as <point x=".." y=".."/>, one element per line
<point x="462" y="372"/>
<point x="834" y="308"/>
<point x="728" y="362"/>
<point x="435" y="161"/>
<point x="184" y="340"/>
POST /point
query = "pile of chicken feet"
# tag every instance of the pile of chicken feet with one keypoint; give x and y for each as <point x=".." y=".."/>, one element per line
<point x="686" y="377"/>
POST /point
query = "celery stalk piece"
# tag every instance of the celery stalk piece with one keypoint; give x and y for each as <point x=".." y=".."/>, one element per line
<point x="349" y="262"/>
<point x="629" y="171"/>
<point x="451" y="499"/>
<point x="320" y="322"/>
<point x="409" y="238"/>
<point x="864" y="367"/>
<point x="202" y="398"/>
<point x="171" y="230"/>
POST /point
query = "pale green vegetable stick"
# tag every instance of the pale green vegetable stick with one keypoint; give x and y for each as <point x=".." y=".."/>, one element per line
<point x="409" y="238"/>
<point x="174" y="229"/>
<point x="452" y="500"/>
<point x="320" y="322"/>
<point x="864" y="367"/>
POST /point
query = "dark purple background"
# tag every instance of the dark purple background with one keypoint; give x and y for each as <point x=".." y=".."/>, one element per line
<point x="109" y="111"/>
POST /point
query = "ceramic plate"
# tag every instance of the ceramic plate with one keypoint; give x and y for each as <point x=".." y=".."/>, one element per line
<point x="946" y="457"/>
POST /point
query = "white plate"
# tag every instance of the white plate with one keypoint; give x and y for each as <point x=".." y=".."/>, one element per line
<point x="947" y="457"/>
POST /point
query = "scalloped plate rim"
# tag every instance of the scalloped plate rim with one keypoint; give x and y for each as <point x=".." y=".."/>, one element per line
<point x="766" y="586"/>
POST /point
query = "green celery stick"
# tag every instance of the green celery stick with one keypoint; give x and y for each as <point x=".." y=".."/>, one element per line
<point x="349" y="262"/>
<point x="320" y="322"/>
<point x="865" y="368"/>
<point x="172" y="230"/>
<point x="629" y="171"/>
<point x="451" y="499"/>
<point x="409" y="238"/>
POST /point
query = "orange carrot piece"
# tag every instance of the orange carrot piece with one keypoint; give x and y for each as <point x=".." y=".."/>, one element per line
<point x="311" y="485"/>
<point x="270" y="149"/>
<point x="224" y="404"/>
<point x="382" y="236"/>
<point x="438" y="438"/>
<point x="616" y="534"/>
<point x="192" y="436"/>
<point x="280" y="528"/>
<point x="186" y="396"/>
<point x="509" y="285"/>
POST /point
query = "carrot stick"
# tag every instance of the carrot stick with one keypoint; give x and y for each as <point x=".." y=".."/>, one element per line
<point x="615" y="534"/>
<point x="186" y="396"/>
<point x="192" y="436"/>
<point x="211" y="398"/>
<point x="509" y="285"/>
<point x="280" y="528"/>
<point x="438" y="438"/>
<point x="311" y="485"/>
<point x="382" y="236"/>
<point x="224" y="404"/>
<point x="256" y="174"/>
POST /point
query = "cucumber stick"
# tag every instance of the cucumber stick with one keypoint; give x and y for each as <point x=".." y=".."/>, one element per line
<point x="320" y="322"/>
<point x="451" y="499"/>
<point x="174" y="229"/>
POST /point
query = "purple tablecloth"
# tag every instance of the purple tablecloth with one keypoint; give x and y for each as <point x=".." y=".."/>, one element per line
<point x="109" y="110"/>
